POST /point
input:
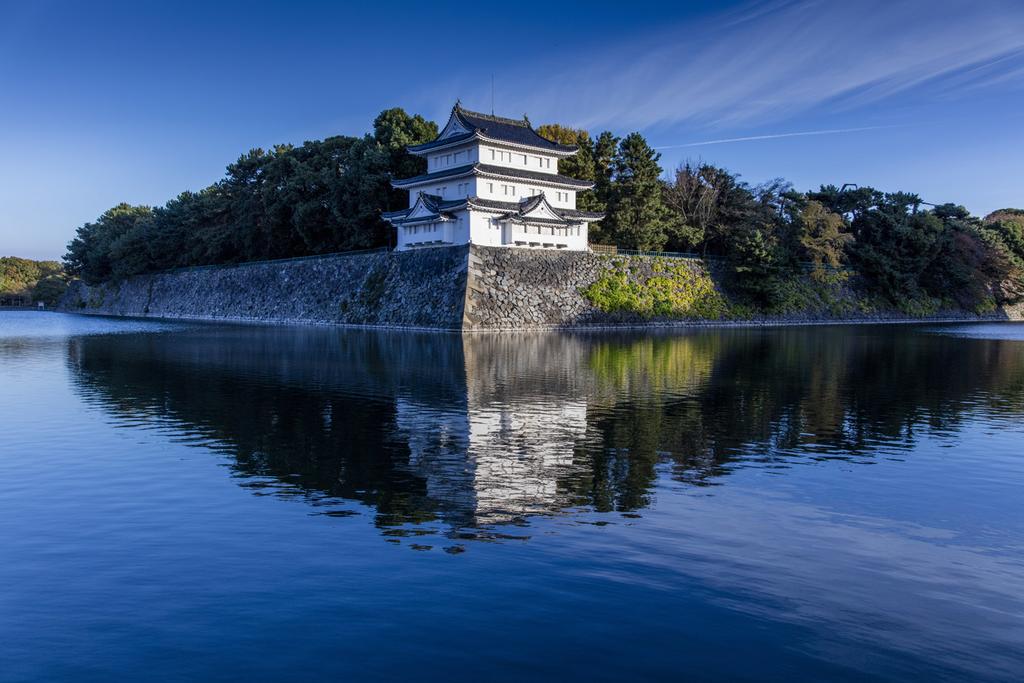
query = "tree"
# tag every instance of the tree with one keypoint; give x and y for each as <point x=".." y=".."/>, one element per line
<point x="823" y="237"/>
<point x="19" y="277"/>
<point x="89" y="254"/>
<point x="606" y="148"/>
<point x="849" y="203"/>
<point x="895" y="245"/>
<point x="318" y="197"/>
<point x="754" y="254"/>
<point x="580" y="165"/>
<point x="49" y="289"/>
<point x="971" y="268"/>
<point x="393" y="131"/>
<point x="637" y="216"/>
<point x="708" y="203"/>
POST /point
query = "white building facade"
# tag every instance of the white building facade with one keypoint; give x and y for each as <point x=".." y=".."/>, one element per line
<point x="491" y="181"/>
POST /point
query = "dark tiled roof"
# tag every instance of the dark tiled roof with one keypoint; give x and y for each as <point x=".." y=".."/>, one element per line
<point x="574" y="213"/>
<point x="450" y="140"/>
<point x="549" y="178"/>
<point x="437" y="205"/>
<point x="436" y="175"/>
<point x="513" y="131"/>
<point x="513" y="209"/>
<point x="400" y="216"/>
<point x="488" y="169"/>
<point x="494" y="204"/>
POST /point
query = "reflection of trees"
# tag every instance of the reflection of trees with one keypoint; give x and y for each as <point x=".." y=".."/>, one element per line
<point x="310" y="408"/>
<point x="495" y="428"/>
<point x="779" y="395"/>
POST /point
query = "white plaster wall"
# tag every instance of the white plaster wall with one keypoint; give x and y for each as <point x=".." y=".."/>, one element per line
<point x="535" y="237"/>
<point x="451" y="157"/>
<point x="460" y="228"/>
<point x="507" y="156"/>
<point x="484" y="230"/>
<point x="519" y="189"/>
<point x="449" y="188"/>
<point x="449" y="232"/>
<point x="494" y="155"/>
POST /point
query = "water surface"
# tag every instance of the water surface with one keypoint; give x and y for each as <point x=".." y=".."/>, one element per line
<point x="200" y="502"/>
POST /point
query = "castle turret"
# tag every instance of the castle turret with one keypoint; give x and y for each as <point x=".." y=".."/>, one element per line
<point x="491" y="181"/>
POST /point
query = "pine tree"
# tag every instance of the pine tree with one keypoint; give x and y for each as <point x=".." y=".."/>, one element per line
<point x="637" y="215"/>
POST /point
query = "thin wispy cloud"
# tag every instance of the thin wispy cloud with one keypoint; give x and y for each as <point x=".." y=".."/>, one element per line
<point x="774" y="136"/>
<point x="768" y="62"/>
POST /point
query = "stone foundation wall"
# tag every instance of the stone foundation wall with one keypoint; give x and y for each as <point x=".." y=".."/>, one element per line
<point x="396" y="289"/>
<point x="527" y="289"/>
<point x="450" y="288"/>
<point x="520" y="288"/>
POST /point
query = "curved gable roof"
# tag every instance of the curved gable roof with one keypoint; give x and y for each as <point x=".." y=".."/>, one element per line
<point x="464" y="124"/>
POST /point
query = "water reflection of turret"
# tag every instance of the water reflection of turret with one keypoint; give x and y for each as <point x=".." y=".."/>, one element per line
<point x="506" y="454"/>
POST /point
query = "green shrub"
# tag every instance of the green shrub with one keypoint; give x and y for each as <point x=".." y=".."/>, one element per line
<point x="673" y="291"/>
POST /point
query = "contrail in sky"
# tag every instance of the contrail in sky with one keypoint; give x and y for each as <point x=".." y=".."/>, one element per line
<point x="775" y="136"/>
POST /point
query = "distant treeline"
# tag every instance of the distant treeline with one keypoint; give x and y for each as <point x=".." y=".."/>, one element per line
<point x="327" y="196"/>
<point x="23" y="281"/>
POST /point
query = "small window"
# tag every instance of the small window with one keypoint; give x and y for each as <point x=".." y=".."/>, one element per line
<point x="490" y="186"/>
<point x="540" y="162"/>
<point x="523" y="157"/>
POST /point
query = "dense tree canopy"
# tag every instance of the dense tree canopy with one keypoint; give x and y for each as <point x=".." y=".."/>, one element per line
<point x="23" y="281"/>
<point x="322" y="196"/>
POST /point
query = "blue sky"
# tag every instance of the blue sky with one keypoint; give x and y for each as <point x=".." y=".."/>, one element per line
<point x="137" y="101"/>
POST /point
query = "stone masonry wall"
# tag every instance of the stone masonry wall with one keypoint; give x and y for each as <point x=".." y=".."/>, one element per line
<point x="519" y="288"/>
<point x="396" y="289"/>
<point x="524" y="289"/>
<point x="468" y="288"/>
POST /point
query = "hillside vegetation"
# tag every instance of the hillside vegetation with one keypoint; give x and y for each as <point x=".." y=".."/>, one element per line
<point x="326" y="196"/>
<point x="23" y="281"/>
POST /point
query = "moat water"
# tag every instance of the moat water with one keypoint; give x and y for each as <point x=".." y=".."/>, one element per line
<point x="212" y="503"/>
